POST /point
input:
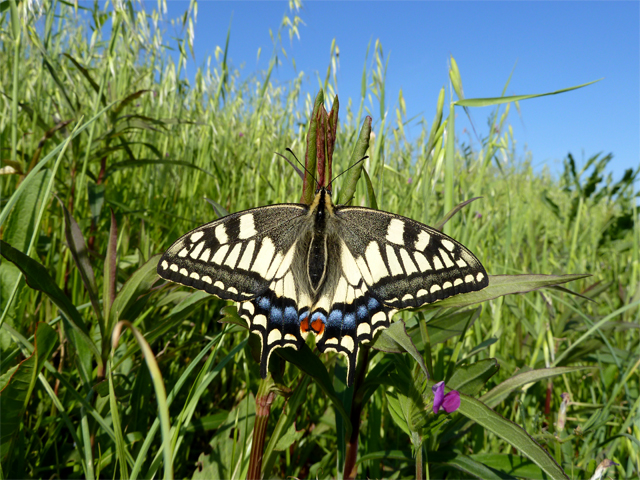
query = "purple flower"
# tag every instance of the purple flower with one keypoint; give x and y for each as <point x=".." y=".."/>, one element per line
<point x="241" y="134"/>
<point x="449" y="402"/>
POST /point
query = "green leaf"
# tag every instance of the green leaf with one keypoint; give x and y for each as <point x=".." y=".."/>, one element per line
<point x="511" y="465"/>
<point x="310" y="364"/>
<point x="502" y="391"/>
<point x="510" y="433"/>
<point x="472" y="467"/>
<point x="470" y="379"/>
<point x="484" y="102"/>
<point x="18" y="231"/>
<point x="138" y="284"/>
<point x="395" y="339"/>
<point x="78" y="249"/>
<point x="19" y="383"/>
<point x="500" y="285"/>
<point x="38" y="278"/>
<point x="359" y="150"/>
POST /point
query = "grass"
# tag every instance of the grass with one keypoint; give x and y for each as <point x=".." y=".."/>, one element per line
<point x="101" y="123"/>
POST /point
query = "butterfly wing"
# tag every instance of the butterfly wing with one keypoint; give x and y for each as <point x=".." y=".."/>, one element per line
<point x="246" y="257"/>
<point x="386" y="263"/>
<point x="407" y="264"/>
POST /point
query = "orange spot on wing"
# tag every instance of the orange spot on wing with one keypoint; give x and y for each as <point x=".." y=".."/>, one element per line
<point x="304" y="325"/>
<point x="317" y="326"/>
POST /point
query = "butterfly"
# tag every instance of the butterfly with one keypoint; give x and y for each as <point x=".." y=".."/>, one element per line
<point x="339" y="272"/>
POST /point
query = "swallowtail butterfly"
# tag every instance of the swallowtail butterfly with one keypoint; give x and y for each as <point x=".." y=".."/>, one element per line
<point x="339" y="272"/>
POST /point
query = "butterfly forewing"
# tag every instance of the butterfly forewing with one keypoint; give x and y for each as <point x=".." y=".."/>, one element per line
<point x="405" y="263"/>
<point x="235" y="257"/>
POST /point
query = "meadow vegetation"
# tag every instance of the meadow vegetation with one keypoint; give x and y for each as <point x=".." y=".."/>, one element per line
<point x="109" y="153"/>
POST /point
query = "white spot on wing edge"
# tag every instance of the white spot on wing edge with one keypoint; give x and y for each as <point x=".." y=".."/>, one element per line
<point x="219" y="285"/>
<point x="247" y="226"/>
<point x="248" y="306"/>
<point x="221" y="233"/>
<point x="195" y="275"/>
<point x="274" y="336"/>
<point x="292" y="338"/>
<point x="183" y="271"/>
<point x="457" y="281"/>
<point x="395" y="231"/>
<point x="261" y="321"/>
<point x="378" y="317"/>
<point x="363" y="329"/>
<point x="480" y="277"/>
<point x="196" y="236"/>
<point x="448" y="244"/>
<point x="422" y="241"/>
<point x="207" y="279"/>
<point x="331" y="341"/>
<point x="173" y="267"/>
<point x="461" y="263"/>
<point x="164" y="265"/>
<point x="469" y="279"/>
<point x="446" y="285"/>
<point x="183" y="253"/>
<point x="347" y="342"/>
<point x="435" y="288"/>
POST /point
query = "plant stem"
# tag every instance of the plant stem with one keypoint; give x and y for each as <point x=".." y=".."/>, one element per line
<point x="350" y="468"/>
<point x="264" y="399"/>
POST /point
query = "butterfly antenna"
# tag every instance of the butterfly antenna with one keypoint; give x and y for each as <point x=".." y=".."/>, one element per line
<point x="305" y="168"/>
<point x="342" y="173"/>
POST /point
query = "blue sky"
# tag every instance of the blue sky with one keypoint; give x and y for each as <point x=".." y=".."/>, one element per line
<point x="553" y="45"/>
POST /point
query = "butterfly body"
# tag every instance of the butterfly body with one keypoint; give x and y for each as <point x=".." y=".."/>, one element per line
<point x="336" y="271"/>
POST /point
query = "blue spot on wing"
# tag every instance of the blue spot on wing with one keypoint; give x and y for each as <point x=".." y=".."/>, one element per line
<point x="291" y="315"/>
<point x="335" y="318"/>
<point x="264" y="303"/>
<point x="373" y="304"/>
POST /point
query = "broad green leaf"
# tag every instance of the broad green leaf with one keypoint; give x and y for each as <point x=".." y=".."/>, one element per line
<point x="18" y="231"/>
<point x="500" y="285"/>
<point x="18" y="389"/>
<point x="510" y="433"/>
<point x="470" y="379"/>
